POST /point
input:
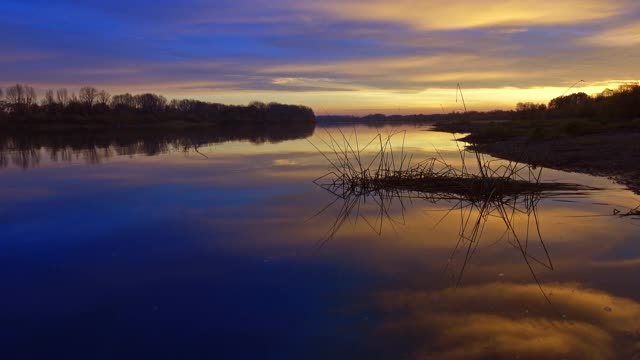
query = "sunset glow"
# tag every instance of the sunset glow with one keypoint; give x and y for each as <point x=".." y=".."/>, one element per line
<point x="344" y="57"/>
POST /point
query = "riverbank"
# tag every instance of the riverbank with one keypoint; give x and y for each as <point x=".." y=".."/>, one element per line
<point x="611" y="150"/>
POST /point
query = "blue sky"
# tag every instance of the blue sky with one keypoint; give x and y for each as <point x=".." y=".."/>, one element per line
<point x="338" y="56"/>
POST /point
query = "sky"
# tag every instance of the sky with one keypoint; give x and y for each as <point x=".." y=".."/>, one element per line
<point x="337" y="56"/>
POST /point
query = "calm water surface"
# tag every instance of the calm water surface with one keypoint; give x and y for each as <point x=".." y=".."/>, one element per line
<point x="207" y="249"/>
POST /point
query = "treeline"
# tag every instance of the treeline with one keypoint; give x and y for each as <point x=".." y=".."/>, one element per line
<point x="19" y="105"/>
<point x="622" y="104"/>
<point x="373" y="119"/>
<point x="380" y="119"/>
<point x="619" y="104"/>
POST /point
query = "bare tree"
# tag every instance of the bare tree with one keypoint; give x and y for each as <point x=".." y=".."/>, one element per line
<point x="49" y="99"/>
<point x="103" y="97"/>
<point x="15" y="94"/>
<point x="62" y="95"/>
<point x="1" y="94"/>
<point x="88" y="95"/>
<point x="258" y="105"/>
<point x="30" y="96"/>
<point x="123" y="101"/>
<point x="150" y="102"/>
<point x="161" y="103"/>
<point x="21" y="97"/>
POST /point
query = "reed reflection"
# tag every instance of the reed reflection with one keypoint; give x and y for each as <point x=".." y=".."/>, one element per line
<point x="367" y="183"/>
<point x="26" y="149"/>
<point x="375" y="182"/>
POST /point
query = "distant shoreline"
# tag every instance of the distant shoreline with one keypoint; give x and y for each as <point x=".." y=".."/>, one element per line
<point x="598" y="135"/>
<point x="576" y="145"/>
<point x="93" y="108"/>
<point x="378" y="119"/>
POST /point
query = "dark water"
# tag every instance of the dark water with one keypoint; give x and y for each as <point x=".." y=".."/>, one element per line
<point x="184" y="246"/>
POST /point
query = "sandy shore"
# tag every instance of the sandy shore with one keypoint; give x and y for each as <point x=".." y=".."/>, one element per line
<point x="614" y="155"/>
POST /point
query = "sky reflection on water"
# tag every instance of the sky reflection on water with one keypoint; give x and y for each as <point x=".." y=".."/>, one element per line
<point x="215" y="253"/>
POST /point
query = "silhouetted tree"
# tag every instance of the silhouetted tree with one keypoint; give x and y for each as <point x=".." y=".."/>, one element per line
<point x="75" y="106"/>
<point x="101" y="107"/>
<point x="621" y="103"/>
<point x="258" y="105"/>
<point x="21" y="97"/>
<point x="574" y="105"/>
<point x="49" y="102"/>
<point x="15" y="94"/>
<point x="573" y="100"/>
<point x="49" y="99"/>
<point x="31" y="98"/>
<point x="529" y="110"/>
<point x="3" y="105"/>
<point x="123" y="102"/>
<point x="607" y="92"/>
<point x="62" y="96"/>
<point x="88" y="95"/>
<point x="150" y="102"/>
<point x="103" y="97"/>
<point x="173" y="105"/>
<point x="529" y="106"/>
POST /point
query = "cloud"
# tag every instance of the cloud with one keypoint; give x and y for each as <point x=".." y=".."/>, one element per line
<point x="503" y="320"/>
<point x="310" y="84"/>
<point x="284" y="162"/>
<point x="444" y="70"/>
<point x="16" y="57"/>
<point x="341" y="56"/>
<point x="438" y="15"/>
<point x="408" y="73"/>
<point x="513" y="30"/>
<point x="622" y="36"/>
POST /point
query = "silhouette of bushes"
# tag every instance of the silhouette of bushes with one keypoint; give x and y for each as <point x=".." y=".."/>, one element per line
<point x="622" y="103"/>
<point x="530" y="111"/>
<point x="18" y="105"/>
<point x="575" y="114"/>
<point x="94" y="107"/>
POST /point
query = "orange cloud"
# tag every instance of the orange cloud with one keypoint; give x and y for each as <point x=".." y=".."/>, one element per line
<point x="621" y="36"/>
<point x="438" y="15"/>
<point x="504" y="320"/>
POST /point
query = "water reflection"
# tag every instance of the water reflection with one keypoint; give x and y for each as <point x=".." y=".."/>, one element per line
<point x="525" y="320"/>
<point x="507" y="320"/>
<point x="24" y="149"/>
<point x="210" y="255"/>
<point x="503" y="191"/>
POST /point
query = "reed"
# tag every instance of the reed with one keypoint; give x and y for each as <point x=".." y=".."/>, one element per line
<point x="478" y="188"/>
<point x="357" y="170"/>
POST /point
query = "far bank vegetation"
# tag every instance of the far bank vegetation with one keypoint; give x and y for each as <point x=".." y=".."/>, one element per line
<point x="19" y="105"/>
